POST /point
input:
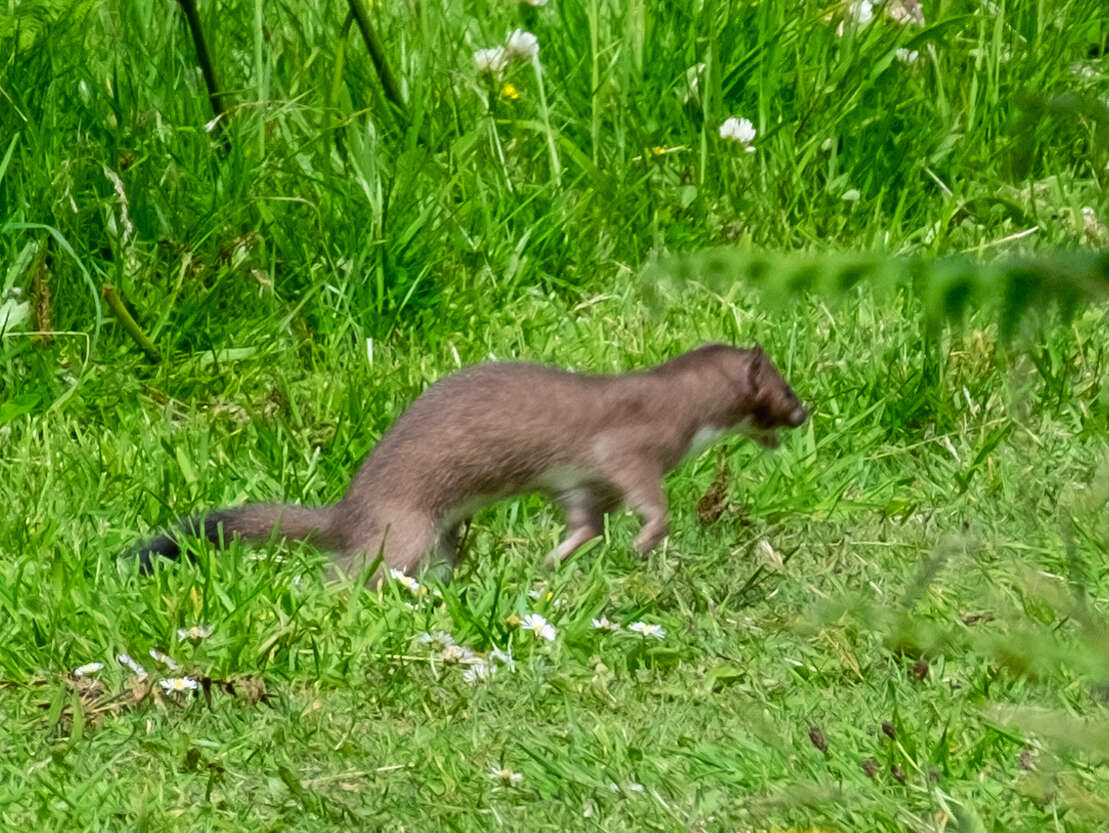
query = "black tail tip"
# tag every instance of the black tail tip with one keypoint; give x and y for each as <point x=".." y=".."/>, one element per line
<point x="166" y="546"/>
<point x="163" y="546"/>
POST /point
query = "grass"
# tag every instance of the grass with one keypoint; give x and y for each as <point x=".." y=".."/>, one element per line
<point x="903" y="599"/>
<point x="898" y="620"/>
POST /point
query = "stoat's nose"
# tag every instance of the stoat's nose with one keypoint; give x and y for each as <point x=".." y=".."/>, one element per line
<point x="798" y="417"/>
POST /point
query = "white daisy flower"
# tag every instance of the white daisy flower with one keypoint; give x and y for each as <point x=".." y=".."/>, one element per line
<point x="506" y="776"/>
<point x="435" y="639"/>
<point x="128" y="663"/>
<point x="533" y="2"/>
<point x="175" y="685"/>
<point x="410" y="584"/>
<point x="168" y="661"/>
<point x="539" y="626"/>
<point x="491" y="61"/>
<point x="87" y="669"/>
<point x="479" y="671"/>
<point x="195" y="633"/>
<point x="739" y="130"/>
<point x="522" y="46"/>
<point x="603" y="624"/>
<point x="905" y="12"/>
<point x="861" y="12"/>
<point x="643" y="628"/>
<point x="907" y="56"/>
<point x="459" y="654"/>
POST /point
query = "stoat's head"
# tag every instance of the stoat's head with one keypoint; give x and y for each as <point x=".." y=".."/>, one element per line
<point x="758" y="401"/>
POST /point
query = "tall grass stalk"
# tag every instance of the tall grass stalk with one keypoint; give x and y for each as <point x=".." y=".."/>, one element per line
<point x="552" y="146"/>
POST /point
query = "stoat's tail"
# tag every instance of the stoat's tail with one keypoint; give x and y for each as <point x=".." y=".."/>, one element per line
<point x="253" y="522"/>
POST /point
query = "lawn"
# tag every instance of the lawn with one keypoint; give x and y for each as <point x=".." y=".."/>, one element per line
<point x="895" y="622"/>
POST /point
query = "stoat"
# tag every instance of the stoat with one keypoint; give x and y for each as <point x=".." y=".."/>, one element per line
<point x="590" y="442"/>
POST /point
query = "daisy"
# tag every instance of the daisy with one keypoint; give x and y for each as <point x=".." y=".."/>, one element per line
<point x="740" y="131"/>
<point x="533" y="2"/>
<point x="87" y="669"/>
<point x="491" y="61"/>
<point x="195" y="633"/>
<point x="176" y="685"/>
<point x="506" y="776"/>
<point x="479" y="671"/>
<point x="647" y="630"/>
<point x="409" y="583"/>
<point x="128" y="663"/>
<point x="905" y="12"/>
<point x="434" y="639"/>
<point x="539" y="626"/>
<point x="522" y="46"/>
<point x="861" y="12"/>
<point x="168" y="661"/>
<point x="603" y="624"/>
<point x="460" y="654"/>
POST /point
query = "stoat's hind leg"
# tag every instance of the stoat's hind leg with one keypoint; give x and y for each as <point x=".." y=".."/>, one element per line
<point x="443" y="558"/>
<point x="404" y="540"/>
<point x="584" y="507"/>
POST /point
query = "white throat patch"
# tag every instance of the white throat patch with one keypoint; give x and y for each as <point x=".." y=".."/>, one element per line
<point x="705" y="437"/>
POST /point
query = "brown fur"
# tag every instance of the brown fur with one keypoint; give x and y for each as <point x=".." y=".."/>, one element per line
<point x="591" y="442"/>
